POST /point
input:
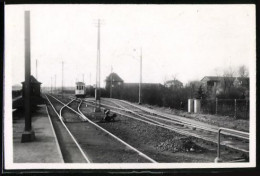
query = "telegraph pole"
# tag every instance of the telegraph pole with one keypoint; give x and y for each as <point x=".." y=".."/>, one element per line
<point x="89" y="78"/>
<point x="28" y="134"/>
<point x="36" y="70"/>
<point x="51" y="85"/>
<point x="97" y="90"/>
<point x="83" y="77"/>
<point x="111" y="82"/>
<point x="62" y="78"/>
<point x="140" y="83"/>
<point x="55" y="83"/>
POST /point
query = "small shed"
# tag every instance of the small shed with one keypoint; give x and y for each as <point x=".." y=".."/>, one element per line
<point x="35" y="87"/>
<point x="114" y="79"/>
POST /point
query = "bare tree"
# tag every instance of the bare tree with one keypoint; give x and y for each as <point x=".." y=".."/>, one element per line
<point x="165" y="79"/>
<point x="218" y="71"/>
<point x="243" y="71"/>
<point x="174" y="76"/>
<point x="193" y="87"/>
<point x="228" y="79"/>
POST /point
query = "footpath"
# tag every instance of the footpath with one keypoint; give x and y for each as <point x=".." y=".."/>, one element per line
<point x="45" y="148"/>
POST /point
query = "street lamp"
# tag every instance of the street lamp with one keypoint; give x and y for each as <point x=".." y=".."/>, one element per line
<point x="140" y="82"/>
<point x="111" y="82"/>
<point x="97" y="90"/>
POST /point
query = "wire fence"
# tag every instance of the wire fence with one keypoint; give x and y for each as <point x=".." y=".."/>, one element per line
<point x="238" y="108"/>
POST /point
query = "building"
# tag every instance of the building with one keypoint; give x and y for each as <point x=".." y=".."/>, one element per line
<point x="114" y="85"/>
<point x="241" y="82"/>
<point x="214" y="85"/>
<point x="113" y="79"/>
<point x="175" y="84"/>
<point x="117" y="88"/>
<point x="36" y="98"/>
<point x="35" y="87"/>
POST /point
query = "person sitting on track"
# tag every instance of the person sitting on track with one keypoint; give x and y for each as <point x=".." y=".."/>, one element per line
<point x="107" y="117"/>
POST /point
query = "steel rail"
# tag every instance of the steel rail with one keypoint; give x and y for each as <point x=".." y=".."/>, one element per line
<point x="172" y="120"/>
<point x="226" y="131"/>
<point x="167" y="118"/>
<point x="178" y="130"/>
<point x="128" y="145"/>
<point x="63" y="108"/>
<point x="71" y="135"/>
<point x="68" y="106"/>
<point x="147" y="117"/>
<point x="120" y="140"/>
<point x="152" y="122"/>
<point x="55" y="136"/>
<point x="214" y="128"/>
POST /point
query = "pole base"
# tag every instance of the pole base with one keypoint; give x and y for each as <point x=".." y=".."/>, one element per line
<point x="28" y="136"/>
<point x="218" y="160"/>
<point x="139" y="103"/>
<point x="97" y="109"/>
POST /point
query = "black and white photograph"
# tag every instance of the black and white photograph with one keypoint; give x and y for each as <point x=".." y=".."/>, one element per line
<point x="129" y="86"/>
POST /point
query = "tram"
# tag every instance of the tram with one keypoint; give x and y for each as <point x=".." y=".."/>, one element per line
<point x="80" y="90"/>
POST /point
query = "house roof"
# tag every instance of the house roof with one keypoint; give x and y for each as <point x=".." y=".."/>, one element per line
<point x="175" y="81"/>
<point x="80" y="83"/>
<point x="115" y="78"/>
<point x="33" y="80"/>
<point x="212" y="78"/>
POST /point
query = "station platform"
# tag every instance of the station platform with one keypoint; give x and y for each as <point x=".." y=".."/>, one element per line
<point x="45" y="147"/>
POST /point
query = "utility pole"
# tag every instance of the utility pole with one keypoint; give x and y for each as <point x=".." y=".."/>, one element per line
<point x="62" y="78"/>
<point x="89" y="78"/>
<point x="140" y="83"/>
<point x="97" y="90"/>
<point x="28" y="134"/>
<point x="51" y="85"/>
<point x="36" y="70"/>
<point x="55" y="83"/>
<point x="111" y="82"/>
<point x="83" y="77"/>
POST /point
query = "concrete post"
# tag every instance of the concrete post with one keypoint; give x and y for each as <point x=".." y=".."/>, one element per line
<point x="140" y="83"/>
<point x="190" y="105"/>
<point x="197" y="106"/>
<point x="28" y="134"/>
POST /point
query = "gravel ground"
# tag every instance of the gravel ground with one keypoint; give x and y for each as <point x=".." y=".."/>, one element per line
<point x="160" y="144"/>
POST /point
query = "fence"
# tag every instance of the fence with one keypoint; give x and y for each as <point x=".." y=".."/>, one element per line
<point x="238" y="108"/>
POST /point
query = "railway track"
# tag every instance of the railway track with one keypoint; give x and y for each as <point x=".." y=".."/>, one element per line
<point x="96" y="144"/>
<point x="230" y="140"/>
<point x="177" y="119"/>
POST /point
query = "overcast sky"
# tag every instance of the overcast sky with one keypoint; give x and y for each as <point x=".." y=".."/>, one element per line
<point x="188" y="41"/>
